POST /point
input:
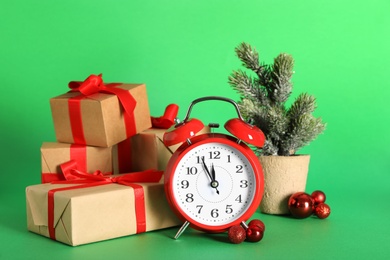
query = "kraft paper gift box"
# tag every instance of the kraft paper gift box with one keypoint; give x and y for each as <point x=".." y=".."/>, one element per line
<point x="145" y="150"/>
<point x="77" y="215"/>
<point x="88" y="158"/>
<point x="96" y="114"/>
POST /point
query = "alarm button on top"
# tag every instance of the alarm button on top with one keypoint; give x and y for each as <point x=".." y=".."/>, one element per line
<point x="245" y="132"/>
<point x="182" y="131"/>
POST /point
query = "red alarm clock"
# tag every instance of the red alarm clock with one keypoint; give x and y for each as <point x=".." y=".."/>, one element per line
<point x="213" y="181"/>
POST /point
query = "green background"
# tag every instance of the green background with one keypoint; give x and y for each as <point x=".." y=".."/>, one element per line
<point x="184" y="50"/>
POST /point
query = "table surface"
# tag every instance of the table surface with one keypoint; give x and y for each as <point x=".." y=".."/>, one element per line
<point x="357" y="228"/>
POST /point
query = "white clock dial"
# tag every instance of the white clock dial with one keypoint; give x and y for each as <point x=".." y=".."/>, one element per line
<point x="214" y="184"/>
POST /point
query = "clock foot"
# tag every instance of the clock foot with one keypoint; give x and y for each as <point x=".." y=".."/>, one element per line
<point x="244" y="225"/>
<point x="181" y="230"/>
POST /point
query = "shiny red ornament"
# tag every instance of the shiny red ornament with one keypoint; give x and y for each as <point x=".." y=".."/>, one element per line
<point x="254" y="233"/>
<point x="318" y="197"/>
<point x="322" y="210"/>
<point x="300" y="205"/>
<point x="258" y="223"/>
<point x="236" y="234"/>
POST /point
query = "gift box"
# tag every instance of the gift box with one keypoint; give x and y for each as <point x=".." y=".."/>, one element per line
<point x="77" y="214"/>
<point x="97" y="114"/>
<point x="88" y="158"/>
<point x="145" y="150"/>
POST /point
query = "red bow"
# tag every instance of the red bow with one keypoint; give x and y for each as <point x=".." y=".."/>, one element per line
<point x="94" y="84"/>
<point x="74" y="176"/>
<point x="168" y="119"/>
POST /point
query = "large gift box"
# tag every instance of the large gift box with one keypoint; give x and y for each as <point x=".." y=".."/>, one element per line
<point x="98" y="114"/>
<point x="105" y="208"/>
<point x="145" y="150"/>
<point x="88" y="158"/>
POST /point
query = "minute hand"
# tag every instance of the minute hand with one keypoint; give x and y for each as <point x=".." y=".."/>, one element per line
<point x="206" y="169"/>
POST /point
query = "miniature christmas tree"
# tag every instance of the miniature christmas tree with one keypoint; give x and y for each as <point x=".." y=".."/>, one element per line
<point x="263" y="100"/>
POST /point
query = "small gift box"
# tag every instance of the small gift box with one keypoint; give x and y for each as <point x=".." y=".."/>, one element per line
<point x="98" y="114"/>
<point x="95" y="207"/>
<point x="88" y="158"/>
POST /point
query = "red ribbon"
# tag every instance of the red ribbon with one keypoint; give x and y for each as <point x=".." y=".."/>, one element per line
<point x="168" y="119"/>
<point x="77" y="153"/>
<point x="85" y="180"/>
<point x="94" y="84"/>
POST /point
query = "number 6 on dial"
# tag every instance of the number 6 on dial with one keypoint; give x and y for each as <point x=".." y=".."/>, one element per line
<point x="214" y="181"/>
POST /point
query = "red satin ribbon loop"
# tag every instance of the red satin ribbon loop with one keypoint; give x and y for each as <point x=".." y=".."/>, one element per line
<point x="168" y="119"/>
<point x="91" y="85"/>
<point x="71" y="174"/>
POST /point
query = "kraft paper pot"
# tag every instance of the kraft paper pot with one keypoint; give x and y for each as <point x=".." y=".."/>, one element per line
<point x="283" y="176"/>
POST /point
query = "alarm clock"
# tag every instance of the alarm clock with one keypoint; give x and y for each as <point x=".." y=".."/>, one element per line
<point x="214" y="180"/>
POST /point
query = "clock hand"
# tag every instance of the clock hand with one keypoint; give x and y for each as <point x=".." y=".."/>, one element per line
<point x="206" y="169"/>
<point x="214" y="182"/>
<point x="212" y="172"/>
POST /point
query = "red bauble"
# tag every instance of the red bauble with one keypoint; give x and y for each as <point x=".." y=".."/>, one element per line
<point x="318" y="197"/>
<point x="258" y="223"/>
<point x="236" y="234"/>
<point x="322" y="210"/>
<point x="254" y="233"/>
<point x="300" y="205"/>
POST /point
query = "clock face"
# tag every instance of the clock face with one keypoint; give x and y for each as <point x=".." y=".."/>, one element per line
<point x="214" y="183"/>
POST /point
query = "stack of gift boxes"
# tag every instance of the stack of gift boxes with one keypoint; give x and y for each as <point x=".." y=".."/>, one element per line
<point x="103" y="178"/>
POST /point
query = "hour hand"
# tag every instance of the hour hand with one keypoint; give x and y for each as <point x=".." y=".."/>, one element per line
<point x="214" y="182"/>
<point x="212" y="172"/>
